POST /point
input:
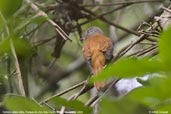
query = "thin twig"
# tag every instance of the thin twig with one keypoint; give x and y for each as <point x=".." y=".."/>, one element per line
<point x="34" y="29"/>
<point x="132" y="44"/>
<point x="65" y="91"/>
<point x="41" y="42"/>
<point x="41" y="13"/>
<point x="9" y="73"/>
<point x="75" y="96"/>
<point x="166" y="9"/>
<point x="143" y="51"/>
<point x="110" y="23"/>
<point x="17" y="65"/>
<point x="80" y="92"/>
<point x="119" y="3"/>
<point x="147" y="50"/>
<point x="45" y="103"/>
<point x="148" y="43"/>
<point x="91" y="100"/>
<point x="101" y="15"/>
<point x="104" y="93"/>
<point x="62" y="111"/>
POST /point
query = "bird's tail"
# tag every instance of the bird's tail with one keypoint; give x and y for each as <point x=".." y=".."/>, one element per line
<point x="98" y="61"/>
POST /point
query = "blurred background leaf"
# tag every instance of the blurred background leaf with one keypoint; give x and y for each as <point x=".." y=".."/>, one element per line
<point x="154" y="94"/>
<point x="22" y="46"/>
<point x="164" y="47"/>
<point x="122" y="106"/>
<point x="9" y="7"/>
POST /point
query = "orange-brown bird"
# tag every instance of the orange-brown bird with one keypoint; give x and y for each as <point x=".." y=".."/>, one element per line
<point x="97" y="50"/>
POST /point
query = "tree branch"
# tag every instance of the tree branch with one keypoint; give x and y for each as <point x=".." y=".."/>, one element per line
<point x="119" y="3"/>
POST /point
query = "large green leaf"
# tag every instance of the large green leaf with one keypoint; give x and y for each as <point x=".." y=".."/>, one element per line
<point x="8" y="7"/>
<point x="155" y="94"/>
<point x="131" y="67"/>
<point x="121" y="106"/>
<point x="165" y="108"/>
<point x="165" y="47"/>
<point x="19" y="103"/>
<point x="73" y="104"/>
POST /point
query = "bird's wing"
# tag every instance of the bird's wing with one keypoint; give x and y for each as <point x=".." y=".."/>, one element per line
<point x="109" y="51"/>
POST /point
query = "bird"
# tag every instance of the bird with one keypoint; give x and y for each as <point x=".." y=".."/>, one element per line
<point x="97" y="50"/>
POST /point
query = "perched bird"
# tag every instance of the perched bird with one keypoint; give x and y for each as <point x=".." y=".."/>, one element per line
<point x="97" y="50"/>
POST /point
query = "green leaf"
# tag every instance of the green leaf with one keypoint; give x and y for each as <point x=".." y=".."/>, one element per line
<point x="121" y="106"/>
<point x="19" y="103"/>
<point x="9" y="7"/>
<point x="165" y="46"/>
<point x="22" y="46"/>
<point x="131" y="67"/>
<point x="73" y="104"/>
<point x="157" y="92"/>
<point x="165" y="108"/>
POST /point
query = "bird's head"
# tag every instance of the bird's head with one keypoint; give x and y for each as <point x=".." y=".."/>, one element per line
<point x="91" y="31"/>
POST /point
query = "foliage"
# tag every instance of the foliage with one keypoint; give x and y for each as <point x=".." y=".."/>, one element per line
<point x="74" y="105"/>
<point x="164" y="47"/>
<point x="122" y="106"/>
<point x="22" y="46"/>
<point x="18" y="103"/>
<point x="8" y="7"/>
<point x="27" y="29"/>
